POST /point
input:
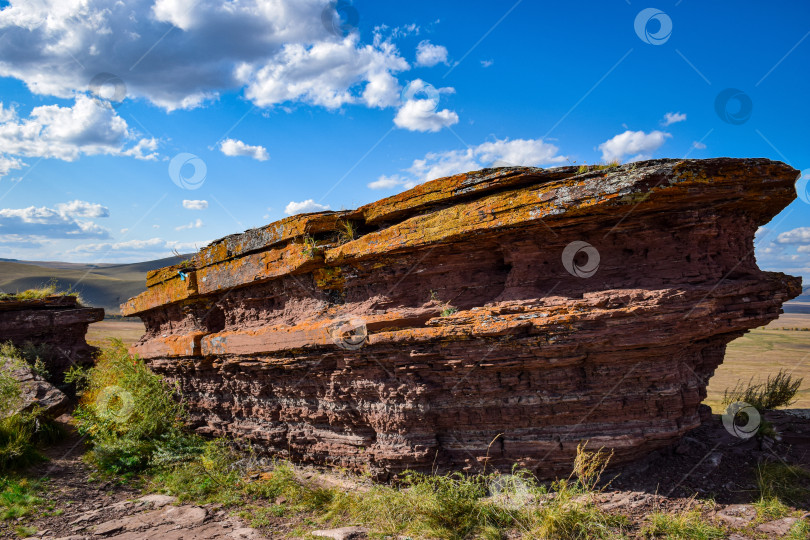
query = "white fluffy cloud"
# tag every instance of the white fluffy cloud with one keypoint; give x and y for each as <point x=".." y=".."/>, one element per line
<point x="182" y="53"/>
<point x="673" y="118"/>
<point x="195" y="204"/>
<point x="87" y="128"/>
<point x="800" y="235"/>
<point x="152" y="246"/>
<point x="7" y="164"/>
<point x="328" y="73"/>
<point x="233" y="147"/>
<point x="428" y="54"/>
<point x="82" y="209"/>
<point x="303" y="207"/>
<point x="501" y="152"/>
<point x="21" y="225"/>
<point x="636" y="143"/>
<point x="196" y="224"/>
<point x="419" y="108"/>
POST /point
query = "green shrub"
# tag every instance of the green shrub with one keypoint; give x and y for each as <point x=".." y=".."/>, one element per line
<point x="196" y="470"/>
<point x="777" y="391"/>
<point x="21" y="436"/>
<point x="10" y="391"/>
<point x="129" y="413"/>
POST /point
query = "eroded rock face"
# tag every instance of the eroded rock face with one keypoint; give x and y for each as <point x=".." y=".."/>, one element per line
<point x="497" y="317"/>
<point x="58" y="322"/>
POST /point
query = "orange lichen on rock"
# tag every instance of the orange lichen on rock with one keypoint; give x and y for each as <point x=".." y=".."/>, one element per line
<point x="548" y="307"/>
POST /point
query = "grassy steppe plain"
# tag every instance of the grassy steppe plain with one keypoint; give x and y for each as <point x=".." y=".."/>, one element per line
<point x="759" y="353"/>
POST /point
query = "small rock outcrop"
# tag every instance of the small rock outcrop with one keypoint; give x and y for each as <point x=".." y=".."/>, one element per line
<point x="56" y="323"/>
<point x="35" y="392"/>
<point x="487" y="319"/>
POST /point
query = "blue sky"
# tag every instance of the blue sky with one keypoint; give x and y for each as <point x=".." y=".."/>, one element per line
<point x="297" y="105"/>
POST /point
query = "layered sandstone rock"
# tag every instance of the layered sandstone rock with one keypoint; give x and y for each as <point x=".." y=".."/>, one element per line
<point x="58" y="322"/>
<point x="501" y="316"/>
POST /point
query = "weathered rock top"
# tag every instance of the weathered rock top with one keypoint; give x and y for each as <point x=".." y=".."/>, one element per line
<point x="464" y="205"/>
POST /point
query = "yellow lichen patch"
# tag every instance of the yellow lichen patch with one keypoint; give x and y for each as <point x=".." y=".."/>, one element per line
<point x="254" y="268"/>
<point x="168" y="292"/>
<point x="154" y="277"/>
<point x="271" y="235"/>
<point x="443" y="189"/>
<point x="329" y="277"/>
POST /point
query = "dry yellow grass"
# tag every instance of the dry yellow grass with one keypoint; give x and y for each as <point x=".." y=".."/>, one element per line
<point x="763" y="352"/>
<point x="101" y="332"/>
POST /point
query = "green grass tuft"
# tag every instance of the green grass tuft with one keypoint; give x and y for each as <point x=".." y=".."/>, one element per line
<point x="685" y="526"/>
<point x="780" y="484"/>
<point x="19" y="497"/>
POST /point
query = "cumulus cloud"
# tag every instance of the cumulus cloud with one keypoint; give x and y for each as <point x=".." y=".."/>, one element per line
<point x="800" y="235"/>
<point x="233" y="147"/>
<point x="328" y="73"/>
<point x="388" y="182"/>
<point x="419" y="108"/>
<point x="18" y="225"/>
<point x="66" y="133"/>
<point x="195" y="204"/>
<point x="156" y="246"/>
<point x="7" y="164"/>
<point x="303" y="207"/>
<point x="428" y="54"/>
<point x="637" y="143"/>
<point x="517" y="152"/>
<point x="196" y="224"/>
<point x="421" y="115"/>
<point x="182" y="53"/>
<point x="673" y="118"/>
<point x="82" y="209"/>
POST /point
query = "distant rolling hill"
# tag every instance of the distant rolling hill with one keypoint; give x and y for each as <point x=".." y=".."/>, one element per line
<point x="99" y="285"/>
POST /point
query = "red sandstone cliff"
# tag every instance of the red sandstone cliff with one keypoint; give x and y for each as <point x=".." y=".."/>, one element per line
<point x="536" y="308"/>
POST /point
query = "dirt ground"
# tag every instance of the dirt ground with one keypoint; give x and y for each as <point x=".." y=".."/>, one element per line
<point x="82" y="506"/>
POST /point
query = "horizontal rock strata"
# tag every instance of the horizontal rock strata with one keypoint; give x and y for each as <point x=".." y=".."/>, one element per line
<point x="57" y="322"/>
<point x="492" y="318"/>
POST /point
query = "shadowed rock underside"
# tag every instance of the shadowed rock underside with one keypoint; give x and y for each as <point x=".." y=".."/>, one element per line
<point x="494" y="318"/>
